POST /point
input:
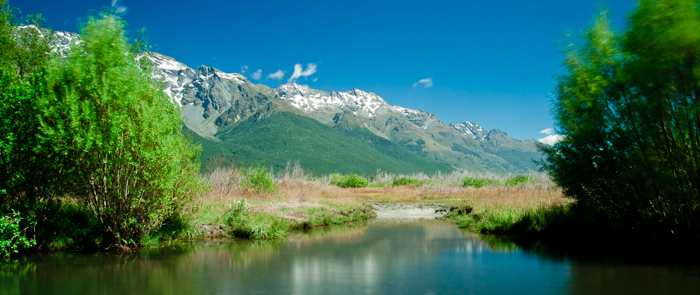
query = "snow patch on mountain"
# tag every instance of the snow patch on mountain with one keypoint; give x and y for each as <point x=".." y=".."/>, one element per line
<point x="470" y="129"/>
<point x="235" y="77"/>
<point x="310" y="100"/>
<point x="173" y="73"/>
<point x="405" y="111"/>
<point x="60" y="40"/>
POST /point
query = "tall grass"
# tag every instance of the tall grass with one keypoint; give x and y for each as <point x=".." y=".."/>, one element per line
<point x="497" y="202"/>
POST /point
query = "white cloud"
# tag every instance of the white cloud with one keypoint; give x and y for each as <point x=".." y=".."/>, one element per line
<point x="119" y="9"/>
<point x="551" y="138"/>
<point x="279" y="75"/>
<point x="427" y="83"/>
<point x="257" y="74"/>
<point x="300" y="72"/>
<point x="548" y="131"/>
<point x="315" y="79"/>
<point x="244" y="69"/>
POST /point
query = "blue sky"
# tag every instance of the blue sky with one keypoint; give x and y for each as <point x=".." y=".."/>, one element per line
<point x="490" y="62"/>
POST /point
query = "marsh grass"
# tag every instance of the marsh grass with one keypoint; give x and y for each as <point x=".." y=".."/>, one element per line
<point x="301" y="201"/>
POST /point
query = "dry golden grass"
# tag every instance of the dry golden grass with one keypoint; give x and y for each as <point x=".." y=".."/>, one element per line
<point x="295" y="189"/>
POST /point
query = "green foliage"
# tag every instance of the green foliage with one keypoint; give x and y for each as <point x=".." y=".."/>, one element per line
<point x="476" y="182"/>
<point x="66" y="226"/>
<point x="26" y="175"/>
<point x="258" y="179"/>
<point x="399" y="181"/>
<point x="555" y="221"/>
<point x="119" y="138"/>
<point x="519" y="180"/>
<point x="628" y="109"/>
<point x="12" y="236"/>
<point x="345" y="181"/>
<point x="258" y="225"/>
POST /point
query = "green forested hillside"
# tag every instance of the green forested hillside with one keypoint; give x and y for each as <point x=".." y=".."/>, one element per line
<point x="319" y="149"/>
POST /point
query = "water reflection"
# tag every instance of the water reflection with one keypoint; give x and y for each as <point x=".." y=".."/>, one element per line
<point x="419" y="257"/>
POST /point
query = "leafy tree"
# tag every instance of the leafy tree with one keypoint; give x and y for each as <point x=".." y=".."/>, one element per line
<point x="628" y="108"/>
<point x="26" y="175"/>
<point x="120" y="141"/>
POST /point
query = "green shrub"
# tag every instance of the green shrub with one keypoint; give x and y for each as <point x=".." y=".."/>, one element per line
<point x="258" y="179"/>
<point x="352" y="180"/>
<point x="238" y="218"/>
<point x="260" y="225"/>
<point x="27" y="176"/>
<point x="11" y="236"/>
<point x="626" y="107"/>
<point x="67" y="225"/>
<point x="117" y="137"/>
<point x="408" y="181"/>
<point x="518" y="180"/>
<point x="477" y="182"/>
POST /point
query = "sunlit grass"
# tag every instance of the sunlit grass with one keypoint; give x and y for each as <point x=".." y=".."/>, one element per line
<point x="301" y="201"/>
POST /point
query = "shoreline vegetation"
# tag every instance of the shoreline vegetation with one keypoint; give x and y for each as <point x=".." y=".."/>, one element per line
<point x="257" y="203"/>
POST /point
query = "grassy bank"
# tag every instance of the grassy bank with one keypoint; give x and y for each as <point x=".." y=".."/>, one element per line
<point x="257" y="203"/>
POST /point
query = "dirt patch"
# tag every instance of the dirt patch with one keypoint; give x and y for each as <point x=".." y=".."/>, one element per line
<point x="398" y="210"/>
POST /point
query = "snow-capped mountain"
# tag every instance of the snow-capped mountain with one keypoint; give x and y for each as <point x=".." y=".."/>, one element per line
<point x="458" y="144"/>
<point x="210" y="98"/>
<point x="60" y="41"/>
<point x="311" y="100"/>
<point x="213" y="102"/>
<point x="470" y="129"/>
<point x="325" y="106"/>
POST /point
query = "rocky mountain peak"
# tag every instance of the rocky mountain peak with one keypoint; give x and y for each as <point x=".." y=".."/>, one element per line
<point x="60" y="40"/>
<point x="310" y="100"/>
<point x="470" y="129"/>
<point x="496" y="134"/>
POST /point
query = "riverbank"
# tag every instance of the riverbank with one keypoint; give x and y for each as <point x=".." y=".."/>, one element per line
<point x="298" y="204"/>
<point x="257" y="204"/>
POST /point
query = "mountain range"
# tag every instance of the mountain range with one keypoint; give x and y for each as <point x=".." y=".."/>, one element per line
<point x="348" y="132"/>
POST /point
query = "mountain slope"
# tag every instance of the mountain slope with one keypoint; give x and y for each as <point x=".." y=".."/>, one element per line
<point x="211" y="99"/>
<point x="216" y="104"/>
<point x="464" y="145"/>
<point x="283" y="137"/>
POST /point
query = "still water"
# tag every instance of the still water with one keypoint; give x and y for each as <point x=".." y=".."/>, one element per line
<point x="380" y="257"/>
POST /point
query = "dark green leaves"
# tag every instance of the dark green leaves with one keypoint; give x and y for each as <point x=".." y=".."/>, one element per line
<point x="628" y="109"/>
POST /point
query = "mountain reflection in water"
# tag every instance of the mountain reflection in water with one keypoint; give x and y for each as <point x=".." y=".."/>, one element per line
<point x="410" y="257"/>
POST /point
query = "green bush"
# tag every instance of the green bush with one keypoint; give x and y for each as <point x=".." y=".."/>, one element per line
<point x="518" y="180"/>
<point x="408" y="181"/>
<point x="627" y="109"/>
<point x="118" y="137"/>
<point x="258" y="179"/>
<point x="248" y="225"/>
<point x="477" y="182"/>
<point x="67" y="225"/>
<point x="12" y="236"/>
<point x="345" y="181"/>
<point x="27" y="176"/>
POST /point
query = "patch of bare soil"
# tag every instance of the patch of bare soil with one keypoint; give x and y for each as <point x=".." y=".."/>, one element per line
<point x="410" y="210"/>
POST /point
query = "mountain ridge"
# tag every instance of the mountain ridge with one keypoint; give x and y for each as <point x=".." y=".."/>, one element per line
<point x="214" y="103"/>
